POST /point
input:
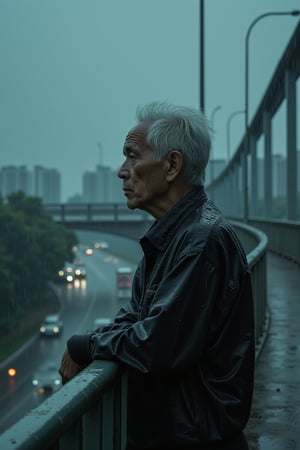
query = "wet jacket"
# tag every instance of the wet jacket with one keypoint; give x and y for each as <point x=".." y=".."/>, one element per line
<point x="187" y="335"/>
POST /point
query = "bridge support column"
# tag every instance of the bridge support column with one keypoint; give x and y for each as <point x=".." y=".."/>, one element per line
<point x="254" y="178"/>
<point x="290" y="94"/>
<point x="268" y="182"/>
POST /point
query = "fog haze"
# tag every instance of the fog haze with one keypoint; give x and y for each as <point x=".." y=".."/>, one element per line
<point x="73" y="72"/>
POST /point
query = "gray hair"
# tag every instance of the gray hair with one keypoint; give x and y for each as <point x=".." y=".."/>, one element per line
<point x="178" y="128"/>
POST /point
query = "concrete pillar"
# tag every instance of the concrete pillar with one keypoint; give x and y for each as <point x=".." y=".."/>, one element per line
<point x="254" y="178"/>
<point x="291" y="167"/>
<point x="268" y="200"/>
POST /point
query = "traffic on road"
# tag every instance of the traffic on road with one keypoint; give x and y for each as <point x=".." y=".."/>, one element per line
<point x="29" y="376"/>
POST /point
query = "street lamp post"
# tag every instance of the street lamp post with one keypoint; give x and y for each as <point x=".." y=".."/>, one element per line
<point x="232" y="115"/>
<point x="246" y="151"/>
<point x="202" y="68"/>
<point x="213" y="113"/>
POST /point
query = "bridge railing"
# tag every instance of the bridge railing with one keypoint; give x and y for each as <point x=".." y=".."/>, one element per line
<point x="255" y="243"/>
<point x="89" y="412"/>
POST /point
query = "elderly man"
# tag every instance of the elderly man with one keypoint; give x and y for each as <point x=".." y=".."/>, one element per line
<point x="186" y="336"/>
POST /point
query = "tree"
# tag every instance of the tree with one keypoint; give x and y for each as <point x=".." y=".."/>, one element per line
<point x="32" y="248"/>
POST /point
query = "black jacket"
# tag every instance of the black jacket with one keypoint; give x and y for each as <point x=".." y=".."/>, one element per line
<point x="187" y="335"/>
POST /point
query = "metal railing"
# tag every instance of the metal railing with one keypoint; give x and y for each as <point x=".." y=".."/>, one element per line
<point x="89" y="412"/>
<point x="255" y="243"/>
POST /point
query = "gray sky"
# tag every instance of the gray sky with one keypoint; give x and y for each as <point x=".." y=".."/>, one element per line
<point x="73" y="72"/>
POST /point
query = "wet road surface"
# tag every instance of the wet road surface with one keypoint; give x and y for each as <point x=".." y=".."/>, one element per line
<point x="275" y="417"/>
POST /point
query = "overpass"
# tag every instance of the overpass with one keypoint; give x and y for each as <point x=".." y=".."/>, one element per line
<point x="113" y="218"/>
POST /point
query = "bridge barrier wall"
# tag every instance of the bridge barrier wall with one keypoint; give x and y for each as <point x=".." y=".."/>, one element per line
<point x="283" y="237"/>
<point x="89" y="412"/>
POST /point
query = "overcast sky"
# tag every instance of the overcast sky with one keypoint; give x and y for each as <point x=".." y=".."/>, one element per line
<point x="73" y="72"/>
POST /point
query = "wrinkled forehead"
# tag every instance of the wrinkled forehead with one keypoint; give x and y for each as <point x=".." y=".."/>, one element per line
<point x="136" y="137"/>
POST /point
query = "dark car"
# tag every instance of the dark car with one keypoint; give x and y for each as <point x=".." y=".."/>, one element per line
<point x="79" y="270"/>
<point x="47" y="379"/>
<point x="51" y="326"/>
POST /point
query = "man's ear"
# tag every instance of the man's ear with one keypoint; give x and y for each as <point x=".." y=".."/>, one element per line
<point x="174" y="161"/>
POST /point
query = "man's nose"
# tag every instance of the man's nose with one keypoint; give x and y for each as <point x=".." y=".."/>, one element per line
<point x="123" y="171"/>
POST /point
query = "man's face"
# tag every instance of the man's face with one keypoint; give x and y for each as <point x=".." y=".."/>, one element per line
<point x="144" y="180"/>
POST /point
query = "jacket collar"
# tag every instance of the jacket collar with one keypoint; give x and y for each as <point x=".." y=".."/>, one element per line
<point x="161" y="232"/>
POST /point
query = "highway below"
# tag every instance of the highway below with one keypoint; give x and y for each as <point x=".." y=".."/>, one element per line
<point x="81" y="302"/>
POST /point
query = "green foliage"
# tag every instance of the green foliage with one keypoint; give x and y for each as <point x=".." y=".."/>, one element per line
<point x="32" y="248"/>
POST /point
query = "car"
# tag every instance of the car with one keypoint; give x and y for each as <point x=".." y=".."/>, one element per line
<point x="101" y="322"/>
<point x="66" y="274"/>
<point x="79" y="271"/>
<point x="46" y="379"/>
<point x="51" y="326"/>
<point x="101" y="245"/>
<point x="124" y="282"/>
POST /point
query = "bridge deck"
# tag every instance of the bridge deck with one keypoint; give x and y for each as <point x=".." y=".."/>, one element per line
<point x="275" y="418"/>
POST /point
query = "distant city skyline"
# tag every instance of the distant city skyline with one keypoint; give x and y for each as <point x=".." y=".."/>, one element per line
<point x="102" y="185"/>
<point x="39" y="182"/>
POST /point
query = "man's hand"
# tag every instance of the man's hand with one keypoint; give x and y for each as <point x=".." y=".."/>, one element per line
<point x="69" y="368"/>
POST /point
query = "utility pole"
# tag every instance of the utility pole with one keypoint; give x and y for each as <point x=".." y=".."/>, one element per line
<point x="201" y="29"/>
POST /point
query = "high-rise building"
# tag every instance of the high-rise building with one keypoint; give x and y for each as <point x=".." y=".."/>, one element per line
<point x="47" y="184"/>
<point x="13" y="179"/>
<point x="117" y="193"/>
<point x="90" y="192"/>
<point x="102" y="186"/>
<point x="42" y="182"/>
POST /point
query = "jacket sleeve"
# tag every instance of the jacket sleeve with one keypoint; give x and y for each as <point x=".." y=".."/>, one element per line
<point x="173" y="333"/>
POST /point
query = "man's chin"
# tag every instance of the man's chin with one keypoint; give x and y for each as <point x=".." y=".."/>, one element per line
<point x="131" y="204"/>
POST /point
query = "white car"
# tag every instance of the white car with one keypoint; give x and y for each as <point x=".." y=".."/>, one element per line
<point x="51" y="326"/>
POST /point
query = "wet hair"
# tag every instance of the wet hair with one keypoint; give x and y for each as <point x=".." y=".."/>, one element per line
<point x="178" y="128"/>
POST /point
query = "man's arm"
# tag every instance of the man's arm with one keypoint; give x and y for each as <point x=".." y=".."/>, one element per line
<point x="174" y="330"/>
<point x="126" y="316"/>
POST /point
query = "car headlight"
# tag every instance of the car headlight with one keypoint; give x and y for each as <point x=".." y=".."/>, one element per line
<point x="35" y="382"/>
<point x="42" y="329"/>
<point x="55" y="329"/>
